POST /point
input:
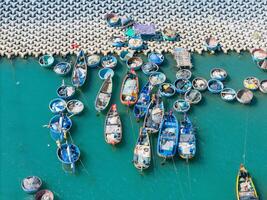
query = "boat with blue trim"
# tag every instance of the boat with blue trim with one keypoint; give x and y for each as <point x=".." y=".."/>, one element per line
<point x="79" y="72"/>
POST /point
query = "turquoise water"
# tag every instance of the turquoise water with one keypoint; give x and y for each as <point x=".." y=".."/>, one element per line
<point x="228" y="134"/>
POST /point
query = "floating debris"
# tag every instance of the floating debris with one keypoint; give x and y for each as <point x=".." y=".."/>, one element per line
<point x="244" y="96"/>
<point x="251" y="83"/>
<point x="200" y="84"/>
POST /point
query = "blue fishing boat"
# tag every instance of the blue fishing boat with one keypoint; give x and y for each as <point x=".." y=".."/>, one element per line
<point x="187" y="139"/>
<point x="68" y="154"/>
<point x="156" y="58"/>
<point x="228" y="94"/>
<point x="79" y="72"/>
<point x="44" y="195"/>
<point x="141" y="106"/>
<point x="118" y="41"/>
<point x="168" y="136"/>
<point x="105" y="73"/>
<point x="125" y="55"/>
<point x="135" y="43"/>
<point x="134" y="63"/>
<point x="57" y="105"/>
<point x="157" y="78"/>
<point x="112" y="19"/>
<point x="182" y="85"/>
<point x="181" y="105"/>
<point x="212" y="44"/>
<point x="65" y="91"/>
<point x="109" y="61"/>
<point x="59" y="125"/>
<point x="154" y="114"/>
<point x="31" y="184"/>
<point x="215" y="86"/>
<point x="46" y="60"/>
<point x="149" y="68"/>
<point x="218" y="73"/>
<point x="167" y="90"/>
<point x="62" y="68"/>
<point x="93" y="61"/>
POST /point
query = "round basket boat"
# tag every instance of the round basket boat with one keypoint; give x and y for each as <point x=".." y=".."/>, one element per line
<point x="60" y="124"/>
<point x="167" y="89"/>
<point x="68" y="153"/>
<point x="156" y="58"/>
<point x="228" y="94"/>
<point x="215" y="86"/>
<point x="135" y="43"/>
<point x="149" y="68"/>
<point x="200" y="84"/>
<point x="112" y="19"/>
<point x="212" y="44"/>
<point x="93" y="61"/>
<point x="157" y="78"/>
<point x="46" y="60"/>
<point x="109" y="61"/>
<point x="57" y="105"/>
<point x="181" y="105"/>
<point x="66" y="91"/>
<point x="182" y="85"/>
<point x="44" y="195"/>
<point x="125" y="55"/>
<point x="169" y="35"/>
<point x="74" y="107"/>
<point x="134" y="63"/>
<point x="118" y="41"/>
<point x="105" y="73"/>
<point x="193" y="96"/>
<point x="126" y="21"/>
<point x="251" y="83"/>
<point x="262" y="64"/>
<point x="218" y="73"/>
<point x="263" y="86"/>
<point x="244" y="96"/>
<point x="259" y="54"/>
<point x="31" y="184"/>
<point x="62" y="68"/>
<point x="183" y="73"/>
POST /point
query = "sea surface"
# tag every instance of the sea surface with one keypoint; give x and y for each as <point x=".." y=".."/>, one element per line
<point x="227" y="134"/>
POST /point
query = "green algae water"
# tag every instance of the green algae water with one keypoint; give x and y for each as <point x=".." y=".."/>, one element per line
<point x="227" y="134"/>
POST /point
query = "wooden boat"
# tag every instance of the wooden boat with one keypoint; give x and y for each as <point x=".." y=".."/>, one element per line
<point x="105" y="73"/>
<point x="215" y="86"/>
<point x="135" y="43"/>
<point x="259" y="55"/>
<point x="109" y="61"/>
<point x="193" y="96"/>
<point x="218" y="73"/>
<point x="75" y="107"/>
<point x="44" y="195"/>
<point x="183" y="73"/>
<point x="118" y="41"/>
<point x="157" y="78"/>
<point x="46" y="60"/>
<point x="62" y="68"/>
<point x="79" y="72"/>
<point x="141" y="106"/>
<point x="181" y="105"/>
<point x="68" y="154"/>
<point x="228" y="94"/>
<point x="113" y="126"/>
<point x="167" y="90"/>
<point x="149" y="68"/>
<point x="212" y="44"/>
<point x="112" y="19"/>
<point x="57" y="105"/>
<point x="262" y="64"/>
<point x="156" y="58"/>
<point x="31" y="184"/>
<point x="168" y="136"/>
<point x="134" y="63"/>
<point x="93" y="61"/>
<point x="59" y="125"/>
<point x="154" y="114"/>
<point x="65" y="91"/>
<point x="169" y="35"/>
<point x="183" y="58"/>
<point x="125" y="55"/>
<point x="129" y="89"/>
<point x="251" y="83"/>
<point x="142" y="152"/>
<point x="104" y="95"/>
<point x="187" y="139"/>
<point x="200" y="84"/>
<point x="244" y="96"/>
<point x="245" y="188"/>
<point x="182" y="85"/>
<point x="263" y="86"/>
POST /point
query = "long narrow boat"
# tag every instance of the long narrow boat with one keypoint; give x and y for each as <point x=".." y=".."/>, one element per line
<point x="140" y="108"/>
<point x="168" y="136"/>
<point x="187" y="139"/>
<point x="142" y="151"/>
<point x="245" y="189"/>
<point x="154" y="114"/>
<point x="113" y="126"/>
<point x="104" y="95"/>
<point x="80" y="70"/>
<point x="129" y="89"/>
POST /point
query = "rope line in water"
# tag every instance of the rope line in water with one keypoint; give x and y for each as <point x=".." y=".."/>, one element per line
<point x="245" y="139"/>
